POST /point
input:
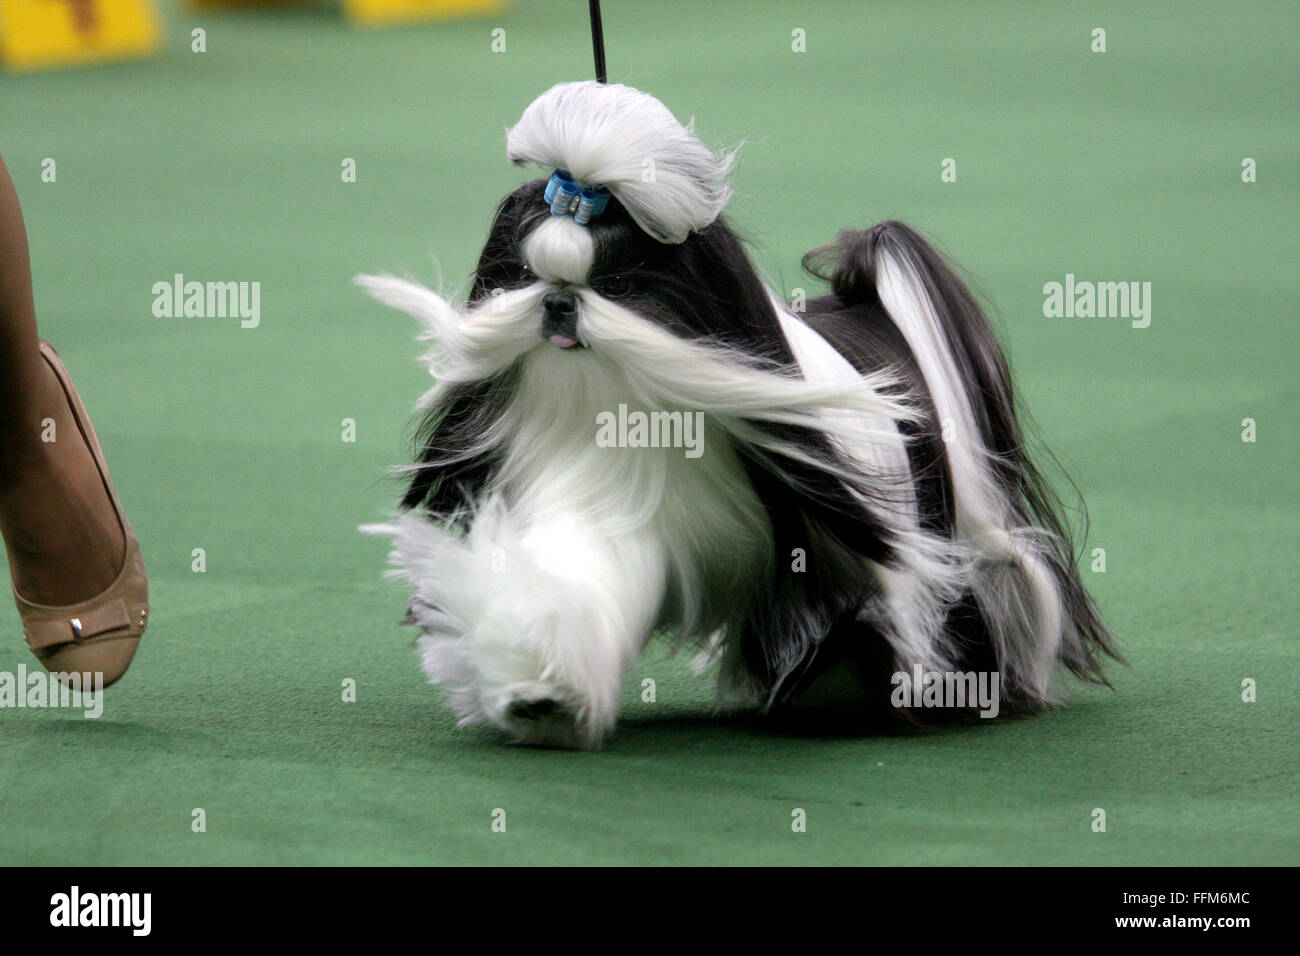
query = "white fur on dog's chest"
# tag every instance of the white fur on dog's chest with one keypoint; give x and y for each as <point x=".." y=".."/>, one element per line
<point x="690" y="513"/>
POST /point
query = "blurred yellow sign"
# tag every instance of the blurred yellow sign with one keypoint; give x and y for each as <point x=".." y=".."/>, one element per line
<point x="251" y="3"/>
<point x="35" y="34"/>
<point x="382" y="12"/>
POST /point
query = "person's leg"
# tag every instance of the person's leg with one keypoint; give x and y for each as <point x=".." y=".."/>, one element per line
<point x="60" y="529"/>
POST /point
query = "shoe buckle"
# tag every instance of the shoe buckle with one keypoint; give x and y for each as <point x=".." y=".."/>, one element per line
<point x="76" y="628"/>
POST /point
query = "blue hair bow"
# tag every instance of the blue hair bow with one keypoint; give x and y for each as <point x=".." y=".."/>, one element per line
<point x="565" y="195"/>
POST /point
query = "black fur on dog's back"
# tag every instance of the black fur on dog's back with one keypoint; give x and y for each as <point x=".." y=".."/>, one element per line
<point x="854" y="320"/>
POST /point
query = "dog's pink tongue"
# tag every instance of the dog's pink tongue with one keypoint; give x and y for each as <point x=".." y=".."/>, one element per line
<point x="563" y="341"/>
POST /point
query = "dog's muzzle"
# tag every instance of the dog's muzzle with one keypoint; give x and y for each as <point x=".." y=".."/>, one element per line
<point x="560" y="321"/>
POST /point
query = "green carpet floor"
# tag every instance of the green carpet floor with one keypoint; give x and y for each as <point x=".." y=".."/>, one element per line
<point x="226" y="166"/>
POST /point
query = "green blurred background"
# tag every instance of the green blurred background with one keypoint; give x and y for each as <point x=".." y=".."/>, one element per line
<point x="226" y="166"/>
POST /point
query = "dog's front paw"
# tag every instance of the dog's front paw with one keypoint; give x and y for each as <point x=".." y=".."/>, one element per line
<point x="541" y="715"/>
<point x="533" y="709"/>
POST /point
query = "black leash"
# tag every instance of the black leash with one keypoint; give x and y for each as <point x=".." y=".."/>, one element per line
<point x="597" y="39"/>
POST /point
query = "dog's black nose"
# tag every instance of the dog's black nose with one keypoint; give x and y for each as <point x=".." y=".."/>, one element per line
<point x="560" y="303"/>
<point x="560" y="322"/>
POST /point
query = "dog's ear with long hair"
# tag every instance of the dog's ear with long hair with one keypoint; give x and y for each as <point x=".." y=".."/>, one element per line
<point x="824" y="522"/>
<point x="455" y="454"/>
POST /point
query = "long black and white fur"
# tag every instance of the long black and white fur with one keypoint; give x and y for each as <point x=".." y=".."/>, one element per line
<point x="864" y="498"/>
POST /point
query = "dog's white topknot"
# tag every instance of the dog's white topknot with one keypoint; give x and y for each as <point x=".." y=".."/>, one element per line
<point x="627" y="141"/>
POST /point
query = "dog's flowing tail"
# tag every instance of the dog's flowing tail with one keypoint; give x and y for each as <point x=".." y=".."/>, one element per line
<point x="1023" y="576"/>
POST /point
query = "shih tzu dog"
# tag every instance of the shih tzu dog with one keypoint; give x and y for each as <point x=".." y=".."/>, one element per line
<point x="631" y="435"/>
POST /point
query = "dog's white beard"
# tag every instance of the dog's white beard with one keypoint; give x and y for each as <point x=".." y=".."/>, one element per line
<point x="576" y="553"/>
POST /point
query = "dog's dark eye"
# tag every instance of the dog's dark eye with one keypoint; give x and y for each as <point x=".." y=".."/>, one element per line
<point x="613" y="286"/>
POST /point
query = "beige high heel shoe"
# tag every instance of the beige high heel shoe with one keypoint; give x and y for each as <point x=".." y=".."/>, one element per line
<point x="99" y="635"/>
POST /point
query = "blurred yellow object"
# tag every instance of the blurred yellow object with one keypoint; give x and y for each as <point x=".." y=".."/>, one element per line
<point x="383" y="12"/>
<point x="202" y="4"/>
<point x="37" y="34"/>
